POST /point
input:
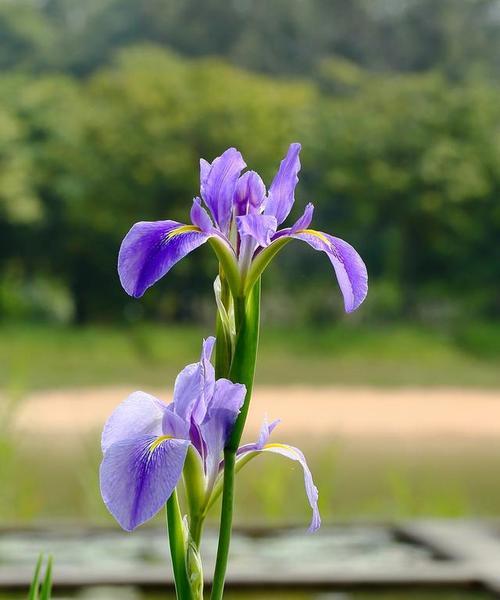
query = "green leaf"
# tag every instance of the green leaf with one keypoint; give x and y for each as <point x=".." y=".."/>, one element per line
<point x="35" y="582"/>
<point x="260" y="263"/>
<point x="46" y="591"/>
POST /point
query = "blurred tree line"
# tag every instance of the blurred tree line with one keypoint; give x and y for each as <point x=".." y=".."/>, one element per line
<point x="102" y="124"/>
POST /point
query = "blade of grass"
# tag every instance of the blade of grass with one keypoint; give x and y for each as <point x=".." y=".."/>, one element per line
<point x="46" y="590"/>
<point x="35" y="582"/>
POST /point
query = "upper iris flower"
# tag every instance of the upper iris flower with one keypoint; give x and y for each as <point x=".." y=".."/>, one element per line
<point x="147" y="444"/>
<point x="242" y="225"/>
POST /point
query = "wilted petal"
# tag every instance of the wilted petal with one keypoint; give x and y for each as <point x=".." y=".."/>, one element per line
<point x="139" y="475"/>
<point x="260" y="227"/>
<point x="249" y="194"/>
<point x="140" y="414"/>
<point x="311" y="490"/>
<point x="281" y="193"/>
<point x="349" y="266"/>
<point x="199" y="217"/>
<point x="151" y="248"/>
<point x="218" y="182"/>
<point x="222" y="413"/>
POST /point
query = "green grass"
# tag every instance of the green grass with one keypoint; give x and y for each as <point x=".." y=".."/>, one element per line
<point x="38" y="357"/>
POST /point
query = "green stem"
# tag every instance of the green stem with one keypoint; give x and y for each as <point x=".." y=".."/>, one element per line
<point x="226" y="524"/>
<point x="178" y="548"/>
<point x="247" y="317"/>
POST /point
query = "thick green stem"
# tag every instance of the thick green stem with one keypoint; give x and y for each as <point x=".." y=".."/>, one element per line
<point x="177" y="542"/>
<point x="247" y="317"/>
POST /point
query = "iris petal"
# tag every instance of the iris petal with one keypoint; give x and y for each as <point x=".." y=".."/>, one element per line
<point x="311" y="490"/>
<point x="348" y="264"/>
<point x="247" y="451"/>
<point x="140" y="414"/>
<point x="249" y="194"/>
<point x="139" y="475"/>
<point x="218" y="182"/>
<point x="304" y="221"/>
<point x="222" y="413"/>
<point x="281" y="193"/>
<point x="195" y="385"/>
<point x="260" y="227"/>
<point x="199" y="217"/>
<point x="151" y="248"/>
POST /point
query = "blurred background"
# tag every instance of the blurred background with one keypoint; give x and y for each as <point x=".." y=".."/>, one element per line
<point x="106" y="107"/>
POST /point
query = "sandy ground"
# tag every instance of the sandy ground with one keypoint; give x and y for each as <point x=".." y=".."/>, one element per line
<point x="304" y="410"/>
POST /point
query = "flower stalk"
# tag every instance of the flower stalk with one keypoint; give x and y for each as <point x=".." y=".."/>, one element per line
<point x="247" y="320"/>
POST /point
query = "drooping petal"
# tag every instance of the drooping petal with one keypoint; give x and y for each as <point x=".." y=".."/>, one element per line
<point x="281" y="193"/>
<point x="195" y="385"/>
<point x="140" y="414"/>
<point x="249" y="194"/>
<point x="151" y="248"/>
<point x="199" y="217"/>
<point x="260" y="227"/>
<point x="311" y="490"/>
<point x="221" y="415"/>
<point x="248" y="451"/>
<point x="218" y="182"/>
<point x="139" y="475"/>
<point x="348" y="264"/>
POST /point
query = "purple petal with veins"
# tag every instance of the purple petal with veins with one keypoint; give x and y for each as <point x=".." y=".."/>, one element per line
<point x="281" y="193"/>
<point x="218" y="182"/>
<point x="259" y="227"/>
<point x="249" y="194"/>
<point x="150" y="249"/>
<point x="138" y="476"/>
<point x="292" y="453"/>
<point x="348" y="265"/>
<point x="221" y="415"/>
<point x="194" y="386"/>
<point x="200" y="217"/>
<point x="304" y="221"/>
<point x="140" y="414"/>
<point x="311" y="490"/>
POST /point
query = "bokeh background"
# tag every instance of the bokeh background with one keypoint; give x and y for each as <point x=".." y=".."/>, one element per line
<point x="106" y="107"/>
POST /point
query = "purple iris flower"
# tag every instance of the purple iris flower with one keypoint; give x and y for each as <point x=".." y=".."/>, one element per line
<point x="145" y="443"/>
<point x="242" y="223"/>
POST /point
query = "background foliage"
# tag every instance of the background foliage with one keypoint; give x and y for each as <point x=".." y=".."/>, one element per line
<point x="106" y="107"/>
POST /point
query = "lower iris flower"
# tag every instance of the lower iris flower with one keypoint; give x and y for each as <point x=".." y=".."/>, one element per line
<point x="148" y="444"/>
<point x="241" y="221"/>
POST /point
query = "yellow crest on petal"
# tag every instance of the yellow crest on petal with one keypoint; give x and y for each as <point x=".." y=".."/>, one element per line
<point x="182" y="229"/>
<point x="315" y="233"/>
<point x="158" y="441"/>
